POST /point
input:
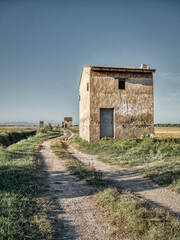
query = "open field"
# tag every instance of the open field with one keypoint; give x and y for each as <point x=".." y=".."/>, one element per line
<point x="24" y="203"/>
<point x="17" y="128"/>
<point x="167" y="132"/>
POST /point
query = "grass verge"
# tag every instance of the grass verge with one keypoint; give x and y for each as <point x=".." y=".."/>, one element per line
<point x="135" y="218"/>
<point x="9" y="137"/>
<point x="87" y="173"/>
<point x="159" y="159"/>
<point x="132" y="217"/>
<point x="23" y="202"/>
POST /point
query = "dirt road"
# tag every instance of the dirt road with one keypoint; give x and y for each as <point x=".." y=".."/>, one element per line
<point x="128" y="180"/>
<point x="79" y="217"/>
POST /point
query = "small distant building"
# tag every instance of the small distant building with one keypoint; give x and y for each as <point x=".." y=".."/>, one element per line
<point x="41" y="124"/>
<point x="67" y="122"/>
<point x="116" y="102"/>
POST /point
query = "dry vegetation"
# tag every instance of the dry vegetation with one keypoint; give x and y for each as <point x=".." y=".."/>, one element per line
<point x="167" y="132"/>
<point x="17" y="128"/>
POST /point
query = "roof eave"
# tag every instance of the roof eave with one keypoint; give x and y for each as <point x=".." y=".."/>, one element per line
<point x="123" y="69"/>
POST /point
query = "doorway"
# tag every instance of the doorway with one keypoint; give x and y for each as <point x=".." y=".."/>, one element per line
<point x="106" y="122"/>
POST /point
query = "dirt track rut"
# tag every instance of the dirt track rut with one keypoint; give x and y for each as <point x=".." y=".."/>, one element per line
<point x="79" y="218"/>
<point x="128" y="180"/>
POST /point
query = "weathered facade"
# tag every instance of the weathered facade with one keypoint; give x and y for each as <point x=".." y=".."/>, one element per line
<point x="116" y="102"/>
<point x="67" y="122"/>
<point x="41" y="124"/>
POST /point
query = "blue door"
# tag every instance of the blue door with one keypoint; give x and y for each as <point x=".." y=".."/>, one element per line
<point x="106" y="122"/>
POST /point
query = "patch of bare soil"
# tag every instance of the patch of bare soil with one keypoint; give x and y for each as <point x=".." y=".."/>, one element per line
<point x="79" y="218"/>
<point x="127" y="180"/>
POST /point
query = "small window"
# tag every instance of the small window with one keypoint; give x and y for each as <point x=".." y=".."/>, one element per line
<point x="87" y="86"/>
<point x="121" y="84"/>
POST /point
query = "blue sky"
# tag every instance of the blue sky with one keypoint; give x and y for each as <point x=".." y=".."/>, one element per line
<point x="45" y="43"/>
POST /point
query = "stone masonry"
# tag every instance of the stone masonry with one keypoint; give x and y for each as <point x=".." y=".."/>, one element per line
<point x="67" y="122"/>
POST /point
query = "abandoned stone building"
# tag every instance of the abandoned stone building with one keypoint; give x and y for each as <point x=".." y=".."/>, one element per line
<point x="116" y="102"/>
<point x="67" y="122"/>
<point x="41" y="124"/>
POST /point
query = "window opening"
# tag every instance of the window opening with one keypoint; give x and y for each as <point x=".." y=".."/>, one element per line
<point x="121" y="84"/>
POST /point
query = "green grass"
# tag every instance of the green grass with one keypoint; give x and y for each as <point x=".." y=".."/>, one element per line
<point x="132" y="217"/>
<point x="9" y="137"/>
<point x="86" y="173"/>
<point x="135" y="218"/>
<point x="23" y="206"/>
<point x="160" y="159"/>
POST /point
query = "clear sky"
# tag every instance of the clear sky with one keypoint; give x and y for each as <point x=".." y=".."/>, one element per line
<point x="45" y="43"/>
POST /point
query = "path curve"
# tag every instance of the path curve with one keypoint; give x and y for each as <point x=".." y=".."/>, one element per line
<point x="128" y="180"/>
<point x="80" y="218"/>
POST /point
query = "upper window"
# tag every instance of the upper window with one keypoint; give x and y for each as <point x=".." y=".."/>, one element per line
<point x="121" y="84"/>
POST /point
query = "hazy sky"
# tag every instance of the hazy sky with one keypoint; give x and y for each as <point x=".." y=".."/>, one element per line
<point x="45" y="43"/>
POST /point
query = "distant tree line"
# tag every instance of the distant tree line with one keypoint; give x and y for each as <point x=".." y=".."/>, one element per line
<point x="167" y="125"/>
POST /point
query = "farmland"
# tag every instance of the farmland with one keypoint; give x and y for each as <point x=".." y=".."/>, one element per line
<point x="17" y="128"/>
<point x="167" y="132"/>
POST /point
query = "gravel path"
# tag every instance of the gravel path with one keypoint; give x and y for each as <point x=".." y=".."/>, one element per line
<point x="80" y="218"/>
<point x="126" y="179"/>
